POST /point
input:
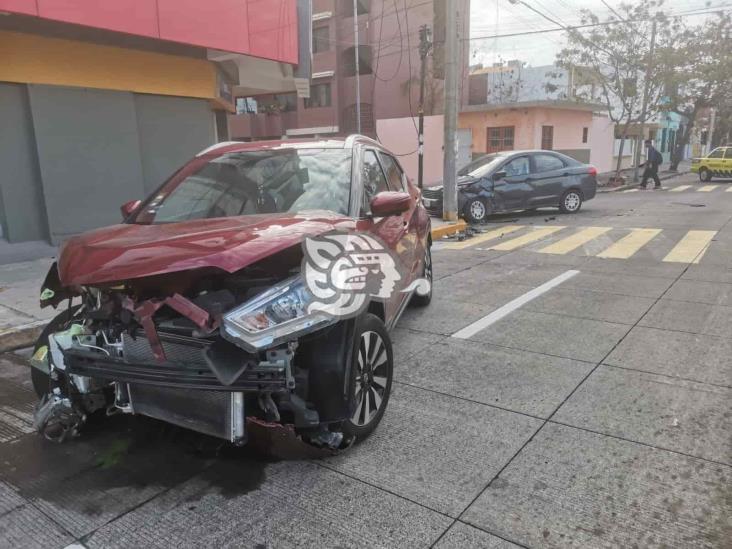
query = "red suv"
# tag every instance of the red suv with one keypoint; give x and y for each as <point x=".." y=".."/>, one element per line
<point x="258" y="284"/>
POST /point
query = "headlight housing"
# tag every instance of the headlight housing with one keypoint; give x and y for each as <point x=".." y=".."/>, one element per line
<point x="276" y="315"/>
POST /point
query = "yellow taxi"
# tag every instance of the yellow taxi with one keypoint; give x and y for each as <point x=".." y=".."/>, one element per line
<point x="717" y="163"/>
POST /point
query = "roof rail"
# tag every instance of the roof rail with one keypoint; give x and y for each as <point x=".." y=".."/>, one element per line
<point x="218" y="146"/>
<point x="351" y="140"/>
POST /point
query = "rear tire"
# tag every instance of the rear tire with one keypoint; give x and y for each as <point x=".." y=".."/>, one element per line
<point x="424" y="300"/>
<point x="705" y="176"/>
<point x="571" y="202"/>
<point x="373" y="370"/>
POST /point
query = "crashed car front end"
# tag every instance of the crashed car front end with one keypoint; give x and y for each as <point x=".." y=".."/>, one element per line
<point x="217" y="351"/>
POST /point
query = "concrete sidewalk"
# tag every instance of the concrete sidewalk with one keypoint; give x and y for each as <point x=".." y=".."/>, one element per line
<point x="602" y="179"/>
<point x="21" y="318"/>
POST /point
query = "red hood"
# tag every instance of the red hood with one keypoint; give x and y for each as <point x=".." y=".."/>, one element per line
<point x="121" y="252"/>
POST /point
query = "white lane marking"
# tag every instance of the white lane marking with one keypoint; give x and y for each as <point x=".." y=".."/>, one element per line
<point x="630" y="191"/>
<point x="680" y="188"/>
<point x="482" y="323"/>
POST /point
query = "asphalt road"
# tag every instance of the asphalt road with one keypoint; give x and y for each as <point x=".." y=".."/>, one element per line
<point x="569" y="386"/>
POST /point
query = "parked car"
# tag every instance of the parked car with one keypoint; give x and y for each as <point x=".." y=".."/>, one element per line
<point x="196" y="310"/>
<point x="518" y="180"/>
<point x="717" y="163"/>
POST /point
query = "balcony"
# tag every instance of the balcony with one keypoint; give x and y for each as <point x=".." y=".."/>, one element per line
<point x="261" y="126"/>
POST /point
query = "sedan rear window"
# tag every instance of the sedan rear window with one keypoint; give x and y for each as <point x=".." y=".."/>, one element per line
<point x="255" y="182"/>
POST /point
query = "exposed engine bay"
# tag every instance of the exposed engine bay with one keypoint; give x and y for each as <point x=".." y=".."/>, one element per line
<point x="170" y="347"/>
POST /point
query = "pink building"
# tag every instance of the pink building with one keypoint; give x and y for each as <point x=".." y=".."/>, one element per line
<point x="573" y="128"/>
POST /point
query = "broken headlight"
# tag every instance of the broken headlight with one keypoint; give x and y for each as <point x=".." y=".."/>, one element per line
<point x="273" y="317"/>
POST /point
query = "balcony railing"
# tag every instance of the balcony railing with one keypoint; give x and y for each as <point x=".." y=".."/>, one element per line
<point x="261" y="126"/>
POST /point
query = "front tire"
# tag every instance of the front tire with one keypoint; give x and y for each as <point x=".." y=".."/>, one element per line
<point x="477" y="210"/>
<point x="373" y="370"/>
<point x="705" y="176"/>
<point x="571" y="202"/>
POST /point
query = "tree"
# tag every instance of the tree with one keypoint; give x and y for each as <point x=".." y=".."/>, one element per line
<point x="697" y="71"/>
<point x="614" y="61"/>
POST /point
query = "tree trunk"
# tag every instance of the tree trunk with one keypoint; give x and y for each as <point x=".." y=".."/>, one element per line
<point x="620" y="156"/>
<point x="678" y="152"/>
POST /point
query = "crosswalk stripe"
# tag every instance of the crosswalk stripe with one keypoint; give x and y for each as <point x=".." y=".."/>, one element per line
<point x="575" y="241"/>
<point x="728" y="190"/>
<point x="528" y="238"/>
<point x="629" y="244"/>
<point x="490" y="235"/>
<point x="707" y="188"/>
<point x="691" y="248"/>
<point x="630" y="191"/>
<point x="680" y="188"/>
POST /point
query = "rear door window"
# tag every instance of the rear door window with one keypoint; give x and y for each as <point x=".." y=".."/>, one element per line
<point x="547" y="163"/>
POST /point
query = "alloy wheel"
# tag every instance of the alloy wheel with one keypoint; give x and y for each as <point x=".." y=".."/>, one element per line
<point x="572" y="201"/>
<point x="371" y="378"/>
<point x="477" y="210"/>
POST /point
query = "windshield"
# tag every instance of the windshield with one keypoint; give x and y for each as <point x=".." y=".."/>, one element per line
<point x="255" y="182"/>
<point x="481" y="166"/>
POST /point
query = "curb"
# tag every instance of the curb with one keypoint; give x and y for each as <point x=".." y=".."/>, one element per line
<point x="18" y="337"/>
<point x="448" y="229"/>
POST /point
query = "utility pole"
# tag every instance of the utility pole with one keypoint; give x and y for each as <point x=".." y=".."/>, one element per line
<point x="644" y="106"/>
<point x="449" y="171"/>
<point x="425" y="44"/>
<point x="358" y="76"/>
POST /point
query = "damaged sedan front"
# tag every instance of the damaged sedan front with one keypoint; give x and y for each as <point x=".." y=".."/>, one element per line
<point x="196" y="311"/>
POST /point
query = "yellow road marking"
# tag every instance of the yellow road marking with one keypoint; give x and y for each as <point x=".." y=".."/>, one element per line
<point x="707" y="188"/>
<point x="528" y="238"/>
<point x="680" y="188"/>
<point x="629" y="244"/>
<point x="490" y="235"/>
<point x="575" y="241"/>
<point x="630" y="191"/>
<point x="691" y="248"/>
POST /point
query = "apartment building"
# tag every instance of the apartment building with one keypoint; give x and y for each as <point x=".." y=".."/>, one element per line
<point x="388" y="71"/>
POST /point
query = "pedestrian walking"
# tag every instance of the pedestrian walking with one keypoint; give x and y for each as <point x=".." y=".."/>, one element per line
<point x="653" y="161"/>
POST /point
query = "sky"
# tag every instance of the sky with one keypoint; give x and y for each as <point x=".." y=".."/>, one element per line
<point x="492" y="17"/>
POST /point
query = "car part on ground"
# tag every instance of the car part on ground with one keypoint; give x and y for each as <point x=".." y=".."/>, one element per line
<point x="208" y="324"/>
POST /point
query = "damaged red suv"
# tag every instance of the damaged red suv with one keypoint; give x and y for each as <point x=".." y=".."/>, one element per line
<point x="205" y="308"/>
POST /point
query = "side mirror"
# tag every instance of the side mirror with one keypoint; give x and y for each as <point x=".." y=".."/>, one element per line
<point x="498" y="176"/>
<point x="128" y="207"/>
<point x="390" y="203"/>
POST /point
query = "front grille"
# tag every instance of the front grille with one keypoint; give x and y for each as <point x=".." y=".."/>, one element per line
<point x="177" y="348"/>
<point x="432" y="194"/>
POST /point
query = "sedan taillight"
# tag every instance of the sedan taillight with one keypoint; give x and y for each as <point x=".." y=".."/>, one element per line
<point x="593" y="171"/>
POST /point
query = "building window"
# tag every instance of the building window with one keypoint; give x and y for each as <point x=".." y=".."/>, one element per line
<point x="499" y="139"/>
<point x="362" y="7"/>
<point x="585" y="134"/>
<point x="321" y="39"/>
<point x="364" y="61"/>
<point x="267" y="104"/>
<point x="319" y="96"/>
<point x="547" y="137"/>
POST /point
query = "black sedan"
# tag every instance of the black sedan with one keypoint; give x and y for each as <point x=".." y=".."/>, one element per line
<point x="518" y="180"/>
